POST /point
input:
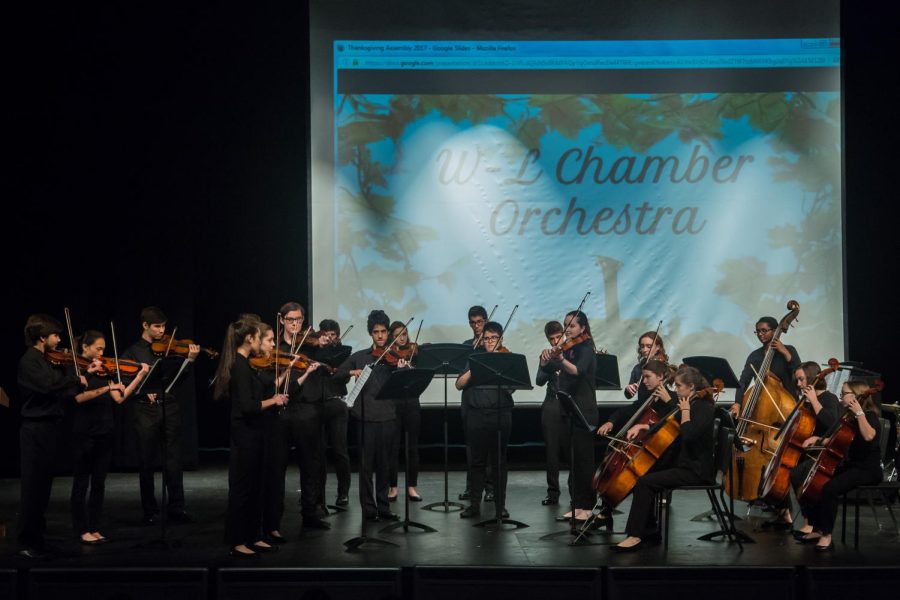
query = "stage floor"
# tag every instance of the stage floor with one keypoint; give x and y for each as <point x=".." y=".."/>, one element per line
<point x="456" y="542"/>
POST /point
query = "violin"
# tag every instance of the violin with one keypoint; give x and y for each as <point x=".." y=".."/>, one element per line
<point x="167" y="345"/>
<point x="557" y="351"/>
<point x="388" y="355"/>
<point x="713" y="391"/>
<point x="265" y="363"/>
<point x="107" y="364"/>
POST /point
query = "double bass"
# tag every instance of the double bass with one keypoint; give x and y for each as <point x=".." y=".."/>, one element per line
<point x="776" y="481"/>
<point x="765" y="410"/>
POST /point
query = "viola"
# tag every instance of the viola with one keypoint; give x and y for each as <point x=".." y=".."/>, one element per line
<point x="776" y="481"/>
<point x="107" y="364"/>
<point x="765" y="409"/>
<point x="833" y="453"/>
<point x="166" y="345"/>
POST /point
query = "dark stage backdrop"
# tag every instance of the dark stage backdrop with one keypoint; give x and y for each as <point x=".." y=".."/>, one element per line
<point x="159" y="156"/>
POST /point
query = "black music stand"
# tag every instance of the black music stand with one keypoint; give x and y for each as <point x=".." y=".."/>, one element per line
<point x="446" y="360"/>
<point x="160" y="380"/>
<point x="406" y="383"/>
<point x="354" y="544"/>
<point x="606" y="376"/>
<point x="575" y="416"/>
<point x="499" y="370"/>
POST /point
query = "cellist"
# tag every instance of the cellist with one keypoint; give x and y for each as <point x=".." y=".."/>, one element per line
<point x="784" y="363"/>
<point x="827" y="409"/>
<point x="862" y="465"/>
<point x="693" y="465"/>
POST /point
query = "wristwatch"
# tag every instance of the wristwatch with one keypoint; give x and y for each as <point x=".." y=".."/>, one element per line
<point x="859" y="414"/>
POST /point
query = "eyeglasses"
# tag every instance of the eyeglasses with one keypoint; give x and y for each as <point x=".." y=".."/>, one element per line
<point x="293" y="319"/>
<point x="476" y="322"/>
<point x="491" y="338"/>
<point x="762" y="331"/>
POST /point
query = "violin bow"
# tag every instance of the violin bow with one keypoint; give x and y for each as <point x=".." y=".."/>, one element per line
<point x="643" y="362"/>
<point x="112" y="330"/>
<point x="277" y="341"/>
<point x="340" y="337"/>
<point x="171" y="341"/>
<point x="505" y="325"/>
<point x="72" y="341"/>
<point x="391" y="345"/>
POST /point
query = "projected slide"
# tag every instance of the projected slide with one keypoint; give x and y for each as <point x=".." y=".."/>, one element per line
<point x="693" y="183"/>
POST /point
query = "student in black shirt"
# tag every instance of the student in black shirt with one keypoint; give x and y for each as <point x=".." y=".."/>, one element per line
<point x="478" y="317"/>
<point x="694" y="464"/>
<point x="551" y="419"/>
<point x="861" y="466"/>
<point x="784" y="361"/>
<point x="92" y="440"/>
<point x="335" y="415"/>
<point x="486" y="410"/>
<point x="377" y="416"/>
<point x="43" y="389"/>
<point x="577" y="370"/>
<point x="409" y="419"/>
<point x="236" y="379"/>
<point x="648" y="342"/>
<point x="148" y="424"/>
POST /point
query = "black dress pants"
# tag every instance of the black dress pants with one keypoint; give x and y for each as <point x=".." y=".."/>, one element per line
<point x="409" y="419"/>
<point x="334" y="423"/>
<point x="377" y="438"/>
<point x="37" y="455"/>
<point x="846" y="478"/>
<point x="297" y="427"/>
<point x="243" y="523"/>
<point x="641" y="519"/>
<point x="553" y="428"/>
<point x="489" y="471"/>
<point x="581" y="473"/>
<point x="481" y="439"/>
<point x="148" y="423"/>
<point x="92" y="454"/>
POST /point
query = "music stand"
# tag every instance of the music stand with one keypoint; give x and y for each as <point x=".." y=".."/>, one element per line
<point x="499" y="370"/>
<point x="575" y="415"/>
<point x="446" y="360"/>
<point x="160" y="380"/>
<point x="406" y="383"/>
<point x="606" y="376"/>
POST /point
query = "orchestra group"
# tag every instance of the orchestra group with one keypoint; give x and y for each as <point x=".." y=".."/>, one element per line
<point x="287" y="387"/>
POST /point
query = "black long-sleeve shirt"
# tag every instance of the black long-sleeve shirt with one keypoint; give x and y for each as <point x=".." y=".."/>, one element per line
<point x="581" y="385"/>
<point x="634" y="377"/>
<point x="622" y="415"/>
<point x="547" y="375"/>
<point x="376" y="411"/>
<point x="829" y="415"/>
<point x="246" y="393"/>
<point x="697" y="446"/>
<point x="95" y="416"/>
<point x="780" y="368"/>
<point x="43" y="387"/>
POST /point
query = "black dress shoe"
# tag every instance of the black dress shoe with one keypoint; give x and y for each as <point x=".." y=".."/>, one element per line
<point x="151" y="519"/>
<point x="276" y="539"/>
<point x="263" y="549"/>
<point x="465" y="495"/>
<point x="239" y="554"/>
<point x="504" y="514"/>
<point x="414" y="498"/>
<point x="392" y="498"/>
<point x="489" y="496"/>
<point x="388" y="516"/>
<point x="470" y="511"/>
<point x="322" y="511"/>
<point x="372" y="517"/>
<point x="809" y="540"/>
<point x="342" y="501"/>
<point x="315" y="523"/>
<point x="180" y="517"/>
<point x="32" y="553"/>
<point x="550" y="501"/>
<point x="564" y="519"/>
<point x="828" y="548"/>
<point x="799" y="535"/>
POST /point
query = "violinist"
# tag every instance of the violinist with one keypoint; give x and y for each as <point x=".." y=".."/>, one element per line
<point x="93" y="436"/>
<point x="43" y="390"/>
<point x="334" y="412"/>
<point x="649" y="342"/>
<point x="298" y="425"/>
<point x="862" y="465"/>
<point x="784" y="362"/>
<point x="486" y="408"/>
<point x="379" y="416"/>
<point x="693" y="464"/>
<point x="148" y="424"/>
<point x="409" y="418"/>
<point x="551" y="419"/>
<point x="827" y="409"/>
<point x="236" y="380"/>
<point x="478" y="317"/>
<point x="576" y="364"/>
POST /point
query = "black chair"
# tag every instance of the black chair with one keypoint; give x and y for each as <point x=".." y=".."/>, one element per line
<point x="724" y="435"/>
<point x="888" y="490"/>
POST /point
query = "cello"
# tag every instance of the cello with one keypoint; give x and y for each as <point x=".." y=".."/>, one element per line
<point x="765" y="409"/>
<point x="776" y="481"/>
<point x="832" y="453"/>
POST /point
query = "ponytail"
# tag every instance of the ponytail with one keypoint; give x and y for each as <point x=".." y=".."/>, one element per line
<point x="235" y="334"/>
